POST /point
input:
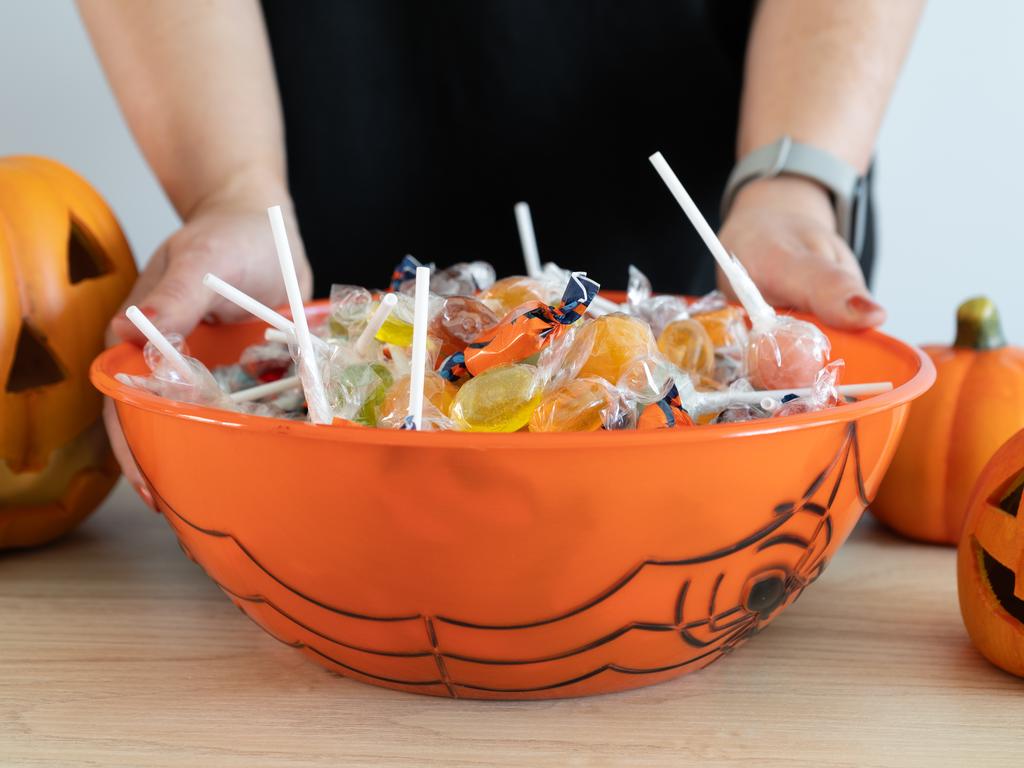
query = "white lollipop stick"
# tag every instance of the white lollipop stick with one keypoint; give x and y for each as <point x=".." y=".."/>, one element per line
<point x="265" y="390"/>
<point x="376" y="321"/>
<point x="275" y="336"/>
<point x="750" y="297"/>
<point x="259" y="310"/>
<point x="846" y="390"/>
<point x="173" y="357"/>
<point x="706" y="402"/>
<point x="417" y="374"/>
<point x="313" y="385"/>
<point x="528" y="240"/>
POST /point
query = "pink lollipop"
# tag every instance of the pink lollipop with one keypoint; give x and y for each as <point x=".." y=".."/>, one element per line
<point x="784" y="352"/>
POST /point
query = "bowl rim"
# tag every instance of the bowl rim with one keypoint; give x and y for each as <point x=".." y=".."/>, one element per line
<point x="102" y="377"/>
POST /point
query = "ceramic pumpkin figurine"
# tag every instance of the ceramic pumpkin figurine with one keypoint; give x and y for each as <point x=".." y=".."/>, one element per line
<point x="990" y="561"/>
<point x="65" y="268"/>
<point x="953" y="430"/>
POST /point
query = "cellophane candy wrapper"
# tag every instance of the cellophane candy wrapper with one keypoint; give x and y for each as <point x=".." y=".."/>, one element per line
<point x="460" y="321"/>
<point x="561" y="360"/>
<point x="617" y="339"/>
<point x="688" y="346"/>
<point x="583" y="405"/>
<point x="648" y="379"/>
<point x="501" y="399"/>
<point x="511" y="292"/>
<point x="824" y="394"/>
<point x="462" y="279"/>
<point x="233" y="378"/>
<point x="167" y="382"/>
<point x="355" y="388"/>
<point x="741" y="411"/>
<point x="438" y="396"/>
<point x="786" y="354"/>
<point x="266" y="362"/>
<point x="351" y="306"/>
<point x="656" y="311"/>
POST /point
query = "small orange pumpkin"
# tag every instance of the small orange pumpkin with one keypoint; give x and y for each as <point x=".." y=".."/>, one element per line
<point x="65" y="268"/>
<point x="953" y="430"/>
<point x="990" y="561"/>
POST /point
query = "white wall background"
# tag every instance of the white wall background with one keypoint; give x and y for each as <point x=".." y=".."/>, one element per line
<point x="950" y="159"/>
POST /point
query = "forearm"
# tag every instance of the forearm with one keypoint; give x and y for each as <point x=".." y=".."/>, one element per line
<point x="822" y="72"/>
<point x="197" y="87"/>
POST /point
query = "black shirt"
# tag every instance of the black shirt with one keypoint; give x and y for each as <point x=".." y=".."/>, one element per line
<point x="413" y="127"/>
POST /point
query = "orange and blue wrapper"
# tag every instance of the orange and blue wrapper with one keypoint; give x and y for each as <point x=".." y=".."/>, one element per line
<point x="524" y="332"/>
<point x="404" y="271"/>
<point x="667" y="413"/>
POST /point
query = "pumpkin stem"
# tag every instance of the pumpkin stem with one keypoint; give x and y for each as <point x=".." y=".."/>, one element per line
<point x="978" y="325"/>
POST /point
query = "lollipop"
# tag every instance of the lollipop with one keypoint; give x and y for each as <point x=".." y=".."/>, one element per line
<point x="261" y="311"/>
<point x="500" y="399"/>
<point x="418" y="362"/>
<point x="524" y="333"/>
<point x="397" y="326"/>
<point x="783" y="351"/>
<point x="174" y="375"/>
<point x="308" y="365"/>
<point x="657" y="311"/>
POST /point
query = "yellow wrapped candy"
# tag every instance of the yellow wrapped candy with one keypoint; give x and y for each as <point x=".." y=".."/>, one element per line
<point x="500" y="399"/>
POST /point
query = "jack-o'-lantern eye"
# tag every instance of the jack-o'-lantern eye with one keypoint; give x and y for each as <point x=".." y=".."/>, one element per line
<point x="85" y="257"/>
<point x="1008" y="498"/>
<point x="34" y="364"/>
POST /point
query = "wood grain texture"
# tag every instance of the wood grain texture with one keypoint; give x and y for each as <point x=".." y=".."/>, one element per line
<point x="116" y="651"/>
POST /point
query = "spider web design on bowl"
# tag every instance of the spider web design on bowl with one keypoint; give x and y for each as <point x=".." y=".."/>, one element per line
<point x="711" y="616"/>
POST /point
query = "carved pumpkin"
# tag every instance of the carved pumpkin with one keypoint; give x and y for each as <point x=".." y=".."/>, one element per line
<point x="65" y="268"/>
<point x="990" y="562"/>
<point x="953" y="430"/>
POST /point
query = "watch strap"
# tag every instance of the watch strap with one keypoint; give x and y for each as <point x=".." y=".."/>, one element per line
<point x="790" y="157"/>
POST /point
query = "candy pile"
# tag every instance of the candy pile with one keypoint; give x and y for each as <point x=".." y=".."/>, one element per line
<point x="456" y="349"/>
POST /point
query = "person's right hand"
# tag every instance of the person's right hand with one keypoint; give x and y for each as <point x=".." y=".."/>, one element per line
<point x="230" y="238"/>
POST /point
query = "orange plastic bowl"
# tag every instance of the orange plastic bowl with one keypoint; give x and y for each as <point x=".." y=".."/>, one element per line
<point x="519" y="566"/>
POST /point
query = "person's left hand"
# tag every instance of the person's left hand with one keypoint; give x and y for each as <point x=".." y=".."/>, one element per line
<point x="783" y="229"/>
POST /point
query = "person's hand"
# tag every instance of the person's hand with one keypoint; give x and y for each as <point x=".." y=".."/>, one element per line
<point x="783" y="229"/>
<point x="230" y="237"/>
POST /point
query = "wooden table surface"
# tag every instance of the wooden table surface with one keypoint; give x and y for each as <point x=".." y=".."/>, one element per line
<point x="115" y="650"/>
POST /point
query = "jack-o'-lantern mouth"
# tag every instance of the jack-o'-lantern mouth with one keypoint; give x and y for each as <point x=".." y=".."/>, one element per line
<point x="1000" y="581"/>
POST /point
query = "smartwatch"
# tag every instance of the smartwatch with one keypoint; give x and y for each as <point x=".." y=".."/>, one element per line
<point x="848" y="189"/>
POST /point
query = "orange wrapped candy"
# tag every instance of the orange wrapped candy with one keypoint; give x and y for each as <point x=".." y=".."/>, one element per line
<point x="688" y="345"/>
<point x="511" y="292"/>
<point x="615" y="341"/>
